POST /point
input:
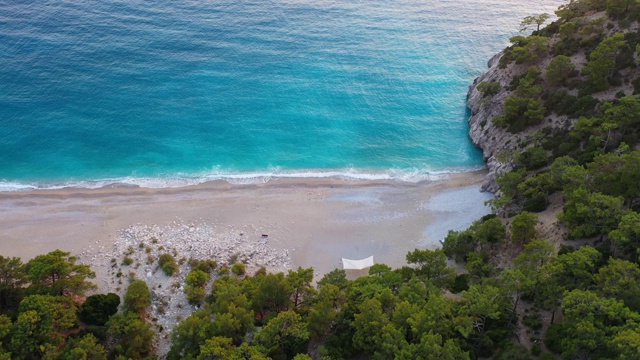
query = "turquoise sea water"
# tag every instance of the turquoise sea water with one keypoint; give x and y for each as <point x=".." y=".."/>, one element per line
<point x="168" y="93"/>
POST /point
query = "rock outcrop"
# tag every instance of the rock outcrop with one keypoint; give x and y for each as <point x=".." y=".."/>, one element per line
<point x="492" y="139"/>
<point x="500" y="146"/>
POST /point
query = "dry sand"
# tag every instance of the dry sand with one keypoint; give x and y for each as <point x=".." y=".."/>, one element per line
<point x="309" y="223"/>
<point x="317" y="221"/>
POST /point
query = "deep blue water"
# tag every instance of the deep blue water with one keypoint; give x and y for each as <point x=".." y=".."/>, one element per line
<point x="165" y="92"/>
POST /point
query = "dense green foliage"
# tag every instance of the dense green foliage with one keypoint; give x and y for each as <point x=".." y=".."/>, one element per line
<point x="138" y="298"/>
<point x="98" y="308"/>
<point x="56" y="272"/>
<point x="196" y="281"/>
<point x="389" y="313"/>
<point x="524" y="107"/>
<point x="581" y="152"/>
<point x="559" y="70"/>
<point x="42" y="319"/>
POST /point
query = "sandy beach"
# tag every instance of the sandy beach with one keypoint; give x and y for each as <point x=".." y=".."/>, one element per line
<point x="314" y="222"/>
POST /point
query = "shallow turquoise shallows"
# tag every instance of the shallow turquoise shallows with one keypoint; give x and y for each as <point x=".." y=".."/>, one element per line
<point x="168" y="93"/>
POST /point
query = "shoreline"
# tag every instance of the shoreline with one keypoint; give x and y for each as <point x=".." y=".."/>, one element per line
<point x="242" y="178"/>
<point x="316" y="221"/>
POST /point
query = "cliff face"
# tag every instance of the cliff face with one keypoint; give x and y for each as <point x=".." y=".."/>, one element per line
<point x="500" y="146"/>
<point x="495" y="142"/>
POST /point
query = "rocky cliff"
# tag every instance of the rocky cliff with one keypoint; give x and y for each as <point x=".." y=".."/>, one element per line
<point x="493" y="141"/>
<point x="500" y="146"/>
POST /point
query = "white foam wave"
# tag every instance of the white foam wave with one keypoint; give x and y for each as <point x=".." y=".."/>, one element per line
<point x="13" y="186"/>
<point x="241" y="178"/>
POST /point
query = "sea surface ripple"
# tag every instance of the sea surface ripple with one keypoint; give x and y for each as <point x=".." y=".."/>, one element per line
<point x="167" y="93"/>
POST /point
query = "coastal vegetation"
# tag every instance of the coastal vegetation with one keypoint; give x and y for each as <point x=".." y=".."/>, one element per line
<point x="567" y="113"/>
<point x="553" y="274"/>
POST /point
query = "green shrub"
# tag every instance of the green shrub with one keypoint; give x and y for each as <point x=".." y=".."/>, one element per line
<point x="559" y="69"/>
<point x="506" y="58"/>
<point x="223" y="270"/>
<point x="260" y="272"/>
<point x="533" y="158"/>
<point x="195" y="295"/>
<point x="524" y="106"/>
<point x="523" y="227"/>
<point x="536" y="349"/>
<point x="127" y="261"/>
<point x="488" y="89"/>
<point x="536" y="202"/>
<point x="460" y="284"/>
<point x="513" y="352"/>
<point x="500" y="121"/>
<point x="488" y="217"/>
<point x="197" y="278"/>
<point x="458" y="243"/>
<point x="204" y="265"/>
<point x="130" y="251"/>
<point x="238" y="269"/>
<point x="528" y="49"/>
<point x="625" y="58"/>
<point x="565" y="249"/>
<point x="533" y="320"/>
<point x="553" y="338"/>
<point x="138" y="297"/>
<point x="168" y="264"/>
<point x="98" y="308"/>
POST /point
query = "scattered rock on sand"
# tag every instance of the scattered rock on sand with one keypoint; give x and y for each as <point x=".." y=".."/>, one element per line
<point x="141" y="245"/>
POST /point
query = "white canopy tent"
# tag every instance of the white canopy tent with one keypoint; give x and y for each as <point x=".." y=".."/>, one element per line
<point x="349" y="264"/>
